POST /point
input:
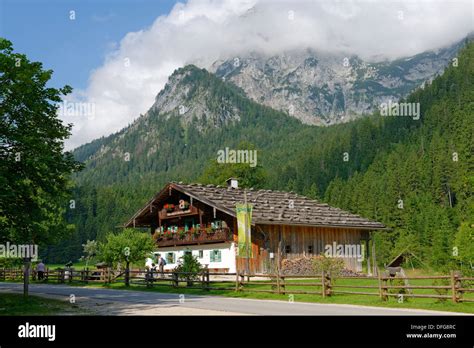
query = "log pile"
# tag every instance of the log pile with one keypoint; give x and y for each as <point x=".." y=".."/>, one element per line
<point x="306" y="266"/>
<point x="299" y="266"/>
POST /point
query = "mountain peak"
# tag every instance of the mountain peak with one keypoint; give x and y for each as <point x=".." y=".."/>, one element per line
<point x="195" y="95"/>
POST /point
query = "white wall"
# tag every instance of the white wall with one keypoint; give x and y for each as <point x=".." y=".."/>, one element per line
<point x="227" y="255"/>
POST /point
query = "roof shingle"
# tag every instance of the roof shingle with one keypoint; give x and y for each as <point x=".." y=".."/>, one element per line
<point x="278" y="206"/>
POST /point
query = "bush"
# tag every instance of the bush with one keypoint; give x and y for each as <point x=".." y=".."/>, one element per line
<point x="443" y="282"/>
<point x="332" y="265"/>
<point x="11" y="263"/>
<point x="190" y="266"/>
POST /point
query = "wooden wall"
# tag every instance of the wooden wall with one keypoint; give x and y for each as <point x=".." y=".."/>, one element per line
<point x="265" y="240"/>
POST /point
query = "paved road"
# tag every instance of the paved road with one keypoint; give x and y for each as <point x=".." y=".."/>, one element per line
<point x="124" y="302"/>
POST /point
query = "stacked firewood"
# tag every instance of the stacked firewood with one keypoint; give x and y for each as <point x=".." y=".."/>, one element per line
<point x="299" y="266"/>
<point x="306" y="266"/>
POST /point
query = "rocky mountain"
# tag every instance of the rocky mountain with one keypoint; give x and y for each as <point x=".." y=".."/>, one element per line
<point x="193" y="100"/>
<point x="323" y="89"/>
<point x="194" y="116"/>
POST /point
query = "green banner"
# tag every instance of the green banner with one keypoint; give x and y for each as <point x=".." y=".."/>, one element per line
<point x="244" y="221"/>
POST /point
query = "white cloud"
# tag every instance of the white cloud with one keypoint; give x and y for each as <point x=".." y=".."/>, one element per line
<point x="202" y="31"/>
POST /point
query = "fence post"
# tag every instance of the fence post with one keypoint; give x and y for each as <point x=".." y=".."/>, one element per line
<point x="236" y="281"/>
<point x="152" y="277"/>
<point x="458" y="283"/>
<point x="242" y="280"/>
<point x="384" y="288"/>
<point x="380" y="285"/>
<point x="175" y="279"/>
<point x="277" y="275"/>
<point x="127" y="274"/>
<point x="208" y="283"/>
<point x="328" y="285"/>
<point x="323" y="283"/>
<point x="283" y="284"/>
<point x="454" y="286"/>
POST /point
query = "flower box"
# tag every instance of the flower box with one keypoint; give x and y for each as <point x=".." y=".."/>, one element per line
<point x="169" y="207"/>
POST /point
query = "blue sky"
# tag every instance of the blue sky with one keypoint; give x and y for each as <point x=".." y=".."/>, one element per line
<point x="73" y="48"/>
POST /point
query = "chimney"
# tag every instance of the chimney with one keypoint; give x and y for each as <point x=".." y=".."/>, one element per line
<point x="232" y="183"/>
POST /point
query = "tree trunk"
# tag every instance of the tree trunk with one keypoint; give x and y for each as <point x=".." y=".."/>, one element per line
<point x="26" y="276"/>
<point x="127" y="274"/>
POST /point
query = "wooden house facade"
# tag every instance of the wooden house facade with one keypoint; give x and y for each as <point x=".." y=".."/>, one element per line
<point x="201" y="220"/>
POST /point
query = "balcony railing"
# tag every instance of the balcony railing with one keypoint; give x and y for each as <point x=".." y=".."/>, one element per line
<point x="187" y="238"/>
<point x="176" y="212"/>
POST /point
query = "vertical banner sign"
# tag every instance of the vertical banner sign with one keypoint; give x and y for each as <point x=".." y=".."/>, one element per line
<point x="244" y="221"/>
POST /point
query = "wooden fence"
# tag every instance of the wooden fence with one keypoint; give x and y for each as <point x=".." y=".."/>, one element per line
<point x="452" y="287"/>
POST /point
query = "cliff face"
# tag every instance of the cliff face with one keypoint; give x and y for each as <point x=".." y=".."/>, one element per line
<point x="323" y="89"/>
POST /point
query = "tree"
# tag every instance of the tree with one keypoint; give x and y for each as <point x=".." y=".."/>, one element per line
<point x="34" y="169"/>
<point x="128" y="246"/>
<point x="463" y="249"/>
<point x="90" y="250"/>
<point x="217" y="173"/>
<point x="188" y="268"/>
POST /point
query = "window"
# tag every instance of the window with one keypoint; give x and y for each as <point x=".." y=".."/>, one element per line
<point x="170" y="258"/>
<point x="310" y="249"/>
<point x="288" y="249"/>
<point x="216" y="256"/>
<point x="188" y="252"/>
<point x="201" y="254"/>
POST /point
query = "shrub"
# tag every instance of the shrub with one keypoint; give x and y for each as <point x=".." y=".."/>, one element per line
<point x="190" y="266"/>
<point x="397" y="281"/>
<point x="332" y="265"/>
<point x="444" y="292"/>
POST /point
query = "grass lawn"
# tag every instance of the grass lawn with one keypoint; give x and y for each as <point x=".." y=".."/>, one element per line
<point x="15" y="304"/>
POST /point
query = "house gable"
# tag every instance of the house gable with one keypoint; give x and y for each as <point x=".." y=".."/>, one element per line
<point x="269" y="207"/>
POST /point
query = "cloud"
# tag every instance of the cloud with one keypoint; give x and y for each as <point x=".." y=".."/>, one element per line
<point x="203" y="31"/>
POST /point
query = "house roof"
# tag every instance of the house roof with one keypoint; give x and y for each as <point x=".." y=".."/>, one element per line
<point x="269" y="207"/>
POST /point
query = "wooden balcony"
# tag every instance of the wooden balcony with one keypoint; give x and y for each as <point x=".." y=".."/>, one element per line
<point x="190" y="238"/>
<point x="164" y="215"/>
